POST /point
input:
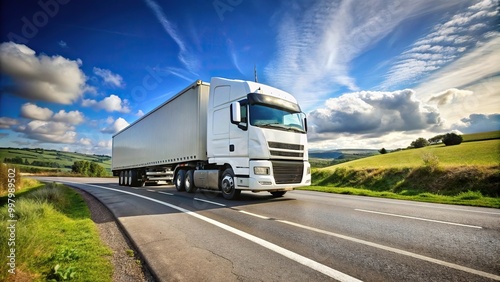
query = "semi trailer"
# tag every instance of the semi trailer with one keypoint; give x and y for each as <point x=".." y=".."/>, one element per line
<point x="228" y="135"/>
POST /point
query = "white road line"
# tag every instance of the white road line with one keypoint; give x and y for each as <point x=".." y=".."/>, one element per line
<point x="210" y="202"/>
<point x="419" y="218"/>
<point x="166" y="193"/>
<point x="404" y="203"/>
<point x="397" y="251"/>
<point x="255" y="215"/>
<point x="335" y="274"/>
<point x="150" y="190"/>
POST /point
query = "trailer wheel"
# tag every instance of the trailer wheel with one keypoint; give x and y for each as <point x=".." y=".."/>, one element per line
<point x="189" y="182"/>
<point x="179" y="180"/>
<point x="136" y="181"/>
<point x="227" y="185"/>
<point x="278" y="194"/>
<point x="120" y="178"/>
<point x="129" y="178"/>
<point x="125" y="178"/>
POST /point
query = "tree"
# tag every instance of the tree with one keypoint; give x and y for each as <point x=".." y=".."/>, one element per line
<point x="382" y="151"/>
<point x="419" y="143"/>
<point x="451" y="139"/>
<point x="436" y="139"/>
<point x="88" y="169"/>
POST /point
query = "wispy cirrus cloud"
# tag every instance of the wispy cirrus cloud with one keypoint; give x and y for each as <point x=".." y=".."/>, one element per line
<point x="318" y="42"/>
<point x="185" y="56"/>
<point x="448" y="41"/>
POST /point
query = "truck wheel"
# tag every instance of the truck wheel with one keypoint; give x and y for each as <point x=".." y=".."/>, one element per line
<point x="189" y="182"/>
<point x="179" y="180"/>
<point x="129" y="178"/>
<point x="227" y="185"/>
<point x="278" y="194"/>
<point x="120" y="178"/>
<point x="136" y="181"/>
<point x="125" y="178"/>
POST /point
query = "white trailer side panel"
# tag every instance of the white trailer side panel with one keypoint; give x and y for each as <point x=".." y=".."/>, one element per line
<point x="174" y="132"/>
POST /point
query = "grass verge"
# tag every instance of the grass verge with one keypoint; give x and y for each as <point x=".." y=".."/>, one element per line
<point x="469" y="198"/>
<point x="55" y="238"/>
<point x="464" y="185"/>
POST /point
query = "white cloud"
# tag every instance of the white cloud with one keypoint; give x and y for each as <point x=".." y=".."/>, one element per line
<point x="109" y="77"/>
<point x="112" y="103"/>
<point x="53" y="79"/>
<point x="85" y="141"/>
<point x="317" y="43"/>
<point x="71" y="117"/>
<point x="6" y="122"/>
<point x="184" y="56"/>
<point x="48" y="131"/>
<point x="32" y="111"/>
<point x="104" y="144"/>
<point x="449" y="40"/>
<point x="139" y="113"/>
<point x="118" y="125"/>
<point x="373" y="114"/>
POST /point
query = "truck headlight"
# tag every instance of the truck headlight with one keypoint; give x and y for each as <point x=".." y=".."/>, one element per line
<point x="261" y="170"/>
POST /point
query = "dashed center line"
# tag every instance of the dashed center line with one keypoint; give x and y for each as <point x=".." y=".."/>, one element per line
<point x="210" y="202"/>
<point x="419" y="218"/>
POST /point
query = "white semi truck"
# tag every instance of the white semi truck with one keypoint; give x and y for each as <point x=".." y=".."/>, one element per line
<point x="227" y="135"/>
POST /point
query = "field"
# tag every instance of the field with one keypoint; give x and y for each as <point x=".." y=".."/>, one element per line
<point x="468" y="153"/>
<point x="61" y="161"/>
<point x="467" y="174"/>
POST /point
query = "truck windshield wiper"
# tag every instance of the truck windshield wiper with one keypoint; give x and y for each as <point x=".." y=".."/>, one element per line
<point x="280" y="126"/>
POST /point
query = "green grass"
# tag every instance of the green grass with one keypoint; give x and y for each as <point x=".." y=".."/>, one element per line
<point x="482" y="136"/>
<point x="471" y="153"/>
<point x="469" y="198"/>
<point x="64" y="159"/>
<point x="55" y="237"/>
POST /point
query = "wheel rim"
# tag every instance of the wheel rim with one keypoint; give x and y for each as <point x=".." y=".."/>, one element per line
<point x="178" y="180"/>
<point x="187" y="183"/>
<point x="227" y="184"/>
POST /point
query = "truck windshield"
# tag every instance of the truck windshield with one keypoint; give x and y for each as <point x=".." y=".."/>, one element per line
<point x="276" y="118"/>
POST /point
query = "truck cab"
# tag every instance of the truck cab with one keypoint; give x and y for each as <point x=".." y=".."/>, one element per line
<point x="260" y="134"/>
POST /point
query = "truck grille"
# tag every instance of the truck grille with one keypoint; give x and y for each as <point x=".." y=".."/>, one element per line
<point x="286" y="172"/>
<point x="286" y="150"/>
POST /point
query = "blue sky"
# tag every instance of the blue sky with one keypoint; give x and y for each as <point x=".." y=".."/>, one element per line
<point x="369" y="74"/>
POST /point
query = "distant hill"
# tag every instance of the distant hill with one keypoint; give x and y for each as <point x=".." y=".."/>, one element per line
<point x="332" y="157"/>
<point x="37" y="160"/>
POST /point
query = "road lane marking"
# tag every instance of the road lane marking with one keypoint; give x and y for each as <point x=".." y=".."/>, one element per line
<point x="386" y="248"/>
<point x="166" y="193"/>
<point x="419" y="218"/>
<point x="397" y="251"/>
<point x="335" y="274"/>
<point x="255" y="215"/>
<point x="150" y="190"/>
<point x="210" y="202"/>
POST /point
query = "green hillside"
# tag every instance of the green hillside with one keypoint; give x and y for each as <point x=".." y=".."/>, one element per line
<point x="482" y="153"/>
<point x="42" y="159"/>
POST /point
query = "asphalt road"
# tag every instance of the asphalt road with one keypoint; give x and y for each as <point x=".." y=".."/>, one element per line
<point x="303" y="236"/>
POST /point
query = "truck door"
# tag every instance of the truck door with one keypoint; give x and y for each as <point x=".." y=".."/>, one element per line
<point x="238" y="136"/>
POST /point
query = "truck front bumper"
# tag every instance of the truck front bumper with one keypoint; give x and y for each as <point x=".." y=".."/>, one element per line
<point x="279" y="176"/>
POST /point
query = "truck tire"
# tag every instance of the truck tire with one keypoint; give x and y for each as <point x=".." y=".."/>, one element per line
<point x="189" y="182"/>
<point x="278" y="194"/>
<point x="129" y="178"/>
<point x="228" y="186"/>
<point x="136" y="182"/>
<point x="120" y="178"/>
<point x="125" y="178"/>
<point x="179" y="180"/>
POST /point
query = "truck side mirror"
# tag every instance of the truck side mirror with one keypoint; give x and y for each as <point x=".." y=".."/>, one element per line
<point x="235" y="113"/>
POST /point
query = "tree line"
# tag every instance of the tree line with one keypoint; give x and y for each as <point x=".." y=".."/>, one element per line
<point x="87" y="168"/>
<point x="449" y="139"/>
<point x="19" y="160"/>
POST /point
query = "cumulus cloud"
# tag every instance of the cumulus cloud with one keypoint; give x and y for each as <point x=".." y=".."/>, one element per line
<point x="112" y="103"/>
<point x="109" y="77"/>
<point x="452" y="95"/>
<point x="45" y="78"/>
<point x="32" y="111"/>
<point x="116" y="126"/>
<point x="71" y="117"/>
<point x="373" y="114"/>
<point x="48" y="131"/>
<point x="6" y="122"/>
<point x="139" y="113"/>
<point x="85" y="141"/>
<point x="479" y="123"/>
